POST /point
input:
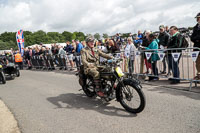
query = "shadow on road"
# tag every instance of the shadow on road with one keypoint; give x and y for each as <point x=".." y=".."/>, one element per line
<point x="80" y="101"/>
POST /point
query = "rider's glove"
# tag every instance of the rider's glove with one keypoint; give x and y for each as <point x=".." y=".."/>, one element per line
<point x="110" y="61"/>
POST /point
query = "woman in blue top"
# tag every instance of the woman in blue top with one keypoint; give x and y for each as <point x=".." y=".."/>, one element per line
<point x="154" y="57"/>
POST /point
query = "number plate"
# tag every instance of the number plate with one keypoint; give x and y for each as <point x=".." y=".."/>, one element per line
<point x="0" y="66"/>
<point x="119" y="71"/>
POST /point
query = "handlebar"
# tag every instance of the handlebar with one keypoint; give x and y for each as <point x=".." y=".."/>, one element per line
<point x="112" y="61"/>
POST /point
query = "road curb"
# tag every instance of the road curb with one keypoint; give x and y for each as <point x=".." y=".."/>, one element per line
<point x="8" y="124"/>
<point x="183" y="86"/>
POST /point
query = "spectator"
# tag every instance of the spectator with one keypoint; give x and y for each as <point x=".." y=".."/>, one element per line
<point x="139" y="38"/>
<point x="28" y="55"/>
<point x="69" y="50"/>
<point x="118" y="39"/>
<point x="145" y="43"/>
<point x="50" y="58"/>
<point x="62" y="56"/>
<point x="83" y="43"/>
<point x="174" y="43"/>
<point x="163" y="41"/>
<point x="130" y="55"/>
<point x="54" y="49"/>
<point x="154" y="57"/>
<point x="112" y="47"/>
<point x="167" y="29"/>
<point x="195" y="38"/>
<point x="126" y="56"/>
<point x="79" y="47"/>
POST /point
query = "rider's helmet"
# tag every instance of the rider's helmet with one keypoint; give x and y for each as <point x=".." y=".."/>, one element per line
<point x="89" y="38"/>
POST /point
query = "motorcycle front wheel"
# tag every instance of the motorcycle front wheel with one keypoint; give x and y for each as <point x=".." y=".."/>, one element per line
<point x="131" y="96"/>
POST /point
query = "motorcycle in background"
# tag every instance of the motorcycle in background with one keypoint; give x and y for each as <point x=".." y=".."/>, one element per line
<point x="2" y="75"/>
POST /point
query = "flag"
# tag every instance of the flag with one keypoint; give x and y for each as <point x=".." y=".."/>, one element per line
<point x="20" y="41"/>
<point x="176" y="56"/>
<point x="161" y="56"/>
<point x="148" y="55"/>
<point x="194" y="55"/>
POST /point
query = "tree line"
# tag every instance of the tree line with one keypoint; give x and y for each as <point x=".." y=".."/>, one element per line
<point x="8" y="39"/>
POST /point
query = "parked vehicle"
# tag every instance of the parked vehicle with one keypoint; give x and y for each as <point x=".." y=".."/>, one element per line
<point x="11" y="70"/>
<point x="2" y="75"/>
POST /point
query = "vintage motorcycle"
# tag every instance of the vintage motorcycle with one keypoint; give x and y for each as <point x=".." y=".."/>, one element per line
<point x="115" y="84"/>
<point x="11" y="70"/>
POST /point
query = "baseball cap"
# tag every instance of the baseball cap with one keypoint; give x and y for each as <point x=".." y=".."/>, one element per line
<point x="161" y="27"/>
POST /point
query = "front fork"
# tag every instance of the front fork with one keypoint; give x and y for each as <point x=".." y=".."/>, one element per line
<point x="124" y="89"/>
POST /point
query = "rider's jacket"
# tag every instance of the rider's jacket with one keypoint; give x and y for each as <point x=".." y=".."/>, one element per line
<point x="91" y="56"/>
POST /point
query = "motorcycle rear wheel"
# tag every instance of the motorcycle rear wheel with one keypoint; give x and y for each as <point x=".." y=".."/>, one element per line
<point x="88" y="88"/>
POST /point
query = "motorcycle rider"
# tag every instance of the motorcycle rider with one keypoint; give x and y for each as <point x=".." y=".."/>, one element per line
<point x="90" y="59"/>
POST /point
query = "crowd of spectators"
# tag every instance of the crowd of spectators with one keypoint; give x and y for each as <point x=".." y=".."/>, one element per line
<point x="166" y="38"/>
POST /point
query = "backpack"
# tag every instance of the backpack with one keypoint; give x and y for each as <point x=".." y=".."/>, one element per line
<point x="183" y="41"/>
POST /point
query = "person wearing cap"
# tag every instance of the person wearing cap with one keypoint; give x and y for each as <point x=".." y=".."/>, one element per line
<point x="195" y="38"/>
<point x="163" y="41"/>
<point x="90" y="60"/>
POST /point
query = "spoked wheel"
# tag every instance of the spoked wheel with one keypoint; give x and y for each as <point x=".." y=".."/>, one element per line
<point x="2" y="78"/>
<point x="88" y="88"/>
<point x="131" y="97"/>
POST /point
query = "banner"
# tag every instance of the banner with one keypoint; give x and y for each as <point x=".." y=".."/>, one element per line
<point x="148" y="55"/>
<point x="20" y="41"/>
<point x="176" y="56"/>
<point x="161" y="56"/>
<point x="194" y="55"/>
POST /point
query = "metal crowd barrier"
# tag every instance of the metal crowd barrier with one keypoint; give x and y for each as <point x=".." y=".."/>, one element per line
<point x="184" y="57"/>
<point x="48" y="62"/>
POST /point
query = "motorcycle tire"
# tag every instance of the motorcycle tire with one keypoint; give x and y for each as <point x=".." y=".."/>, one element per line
<point x="2" y="77"/>
<point x="138" y="91"/>
<point x="17" y="73"/>
<point x="87" y="91"/>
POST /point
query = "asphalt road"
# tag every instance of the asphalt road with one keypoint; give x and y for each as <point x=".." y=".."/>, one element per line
<point x="50" y="102"/>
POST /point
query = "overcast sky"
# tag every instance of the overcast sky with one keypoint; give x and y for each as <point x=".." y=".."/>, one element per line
<point x="96" y="16"/>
